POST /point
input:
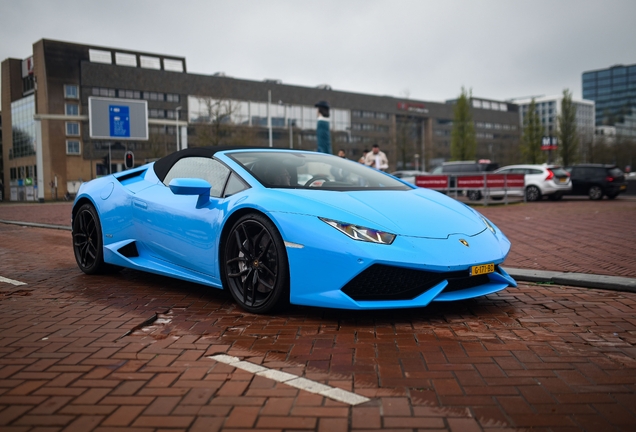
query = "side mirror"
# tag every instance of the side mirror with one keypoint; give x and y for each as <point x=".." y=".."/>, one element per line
<point x="192" y="186"/>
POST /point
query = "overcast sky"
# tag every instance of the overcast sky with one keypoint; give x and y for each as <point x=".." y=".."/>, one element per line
<point x="425" y="50"/>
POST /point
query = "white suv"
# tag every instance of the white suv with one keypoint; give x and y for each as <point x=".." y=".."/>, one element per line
<point x="541" y="180"/>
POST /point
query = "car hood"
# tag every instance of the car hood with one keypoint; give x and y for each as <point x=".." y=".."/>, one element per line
<point x="416" y="213"/>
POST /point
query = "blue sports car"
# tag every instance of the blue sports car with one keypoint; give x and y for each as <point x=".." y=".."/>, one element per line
<point x="279" y="226"/>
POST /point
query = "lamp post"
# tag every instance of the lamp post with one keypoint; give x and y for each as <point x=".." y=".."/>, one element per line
<point x="176" y="117"/>
<point x="269" y="117"/>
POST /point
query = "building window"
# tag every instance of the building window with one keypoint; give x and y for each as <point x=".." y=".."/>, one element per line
<point x="154" y="96"/>
<point x="73" y="147"/>
<point x="71" y="109"/>
<point x="71" y="92"/>
<point x="99" y="56"/>
<point x="172" y="97"/>
<point x="72" y="128"/>
<point x="129" y="94"/>
<point x="23" y="125"/>
<point x="123" y="59"/>
<point x="100" y="91"/>
<point x="150" y="62"/>
<point x="173" y="65"/>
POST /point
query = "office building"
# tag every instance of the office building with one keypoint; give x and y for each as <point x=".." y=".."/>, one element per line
<point x="614" y="92"/>
<point x="49" y="150"/>
<point x="549" y="109"/>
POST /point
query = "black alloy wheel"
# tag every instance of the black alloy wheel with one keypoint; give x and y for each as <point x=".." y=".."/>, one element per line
<point x="595" y="192"/>
<point x="87" y="240"/>
<point x="533" y="194"/>
<point x="255" y="267"/>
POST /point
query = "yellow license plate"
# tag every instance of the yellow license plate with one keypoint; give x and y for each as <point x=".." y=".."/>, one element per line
<point x="563" y="180"/>
<point x="482" y="269"/>
<point x="623" y="187"/>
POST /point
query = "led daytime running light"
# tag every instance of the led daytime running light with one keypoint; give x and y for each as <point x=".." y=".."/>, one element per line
<point x="361" y="233"/>
<point x="488" y="224"/>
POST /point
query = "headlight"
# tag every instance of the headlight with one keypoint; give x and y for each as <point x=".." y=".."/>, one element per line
<point x="361" y="233"/>
<point x="488" y="224"/>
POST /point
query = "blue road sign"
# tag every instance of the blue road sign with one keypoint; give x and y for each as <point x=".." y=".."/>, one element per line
<point x="119" y="120"/>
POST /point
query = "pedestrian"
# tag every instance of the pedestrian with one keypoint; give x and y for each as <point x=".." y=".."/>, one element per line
<point x="363" y="157"/>
<point x="376" y="159"/>
<point x="323" y="134"/>
<point x="342" y="154"/>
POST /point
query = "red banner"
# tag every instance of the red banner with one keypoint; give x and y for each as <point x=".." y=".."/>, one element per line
<point x="516" y="181"/>
<point x="470" y="182"/>
<point x="432" y="181"/>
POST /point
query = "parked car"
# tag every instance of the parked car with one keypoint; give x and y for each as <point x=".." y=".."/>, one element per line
<point x="596" y="181"/>
<point x="408" y="175"/>
<point x="541" y="180"/>
<point x="466" y="168"/>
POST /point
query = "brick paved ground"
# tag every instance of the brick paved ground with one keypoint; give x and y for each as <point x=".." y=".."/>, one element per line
<point x="541" y="357"/>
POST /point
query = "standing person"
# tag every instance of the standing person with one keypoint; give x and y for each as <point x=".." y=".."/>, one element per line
<point x="363" y="157"/>
<point x="323" y="135"/>
<point x="376" y="159"/>
<point x="342" y="154"/>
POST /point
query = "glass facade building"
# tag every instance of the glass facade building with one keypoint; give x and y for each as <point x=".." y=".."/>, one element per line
<point x="614" y="92"/>
<point x="23" y="127"/>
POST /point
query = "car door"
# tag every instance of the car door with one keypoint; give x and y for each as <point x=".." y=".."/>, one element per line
<point x="173" y="227"/>
<point x="580" y="180"/>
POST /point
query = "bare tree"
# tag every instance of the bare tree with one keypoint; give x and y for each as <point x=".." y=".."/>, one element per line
<point x="216" y="123"/>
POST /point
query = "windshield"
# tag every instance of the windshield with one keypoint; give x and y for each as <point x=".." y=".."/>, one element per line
<point x="300" y="170"/>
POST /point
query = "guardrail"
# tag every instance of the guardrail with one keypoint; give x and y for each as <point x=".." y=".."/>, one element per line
<point x="476" y="186"/>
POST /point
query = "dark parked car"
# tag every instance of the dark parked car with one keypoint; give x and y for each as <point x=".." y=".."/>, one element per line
<point x="466" y="168"/>
<point x="596" y="180"/>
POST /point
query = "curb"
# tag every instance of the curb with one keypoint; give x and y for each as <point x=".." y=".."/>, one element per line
<point x="614" y="283"/>
<point x="37" y="225"/>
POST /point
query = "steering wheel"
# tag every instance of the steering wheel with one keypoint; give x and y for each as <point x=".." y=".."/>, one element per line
<point x="315" y="179"/>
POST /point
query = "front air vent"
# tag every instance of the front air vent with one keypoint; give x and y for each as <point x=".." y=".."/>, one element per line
<point x="383" y="282"/>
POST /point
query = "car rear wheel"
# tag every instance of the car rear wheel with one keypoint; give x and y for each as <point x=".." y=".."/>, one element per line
<point x="474" y="195"/>
<point x="533" y="193"/>
<point x="612" y="196"/>
<point x="556" y="196"/>
<point x="88" y="245"/>
<point x="255" y="267"/>
<point x="595" y="193"/>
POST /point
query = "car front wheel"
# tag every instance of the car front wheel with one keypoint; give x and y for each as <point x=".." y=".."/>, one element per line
<point x="595" y="193"/>
<point x="254" y="263"/>
<point x="533" y="193"/>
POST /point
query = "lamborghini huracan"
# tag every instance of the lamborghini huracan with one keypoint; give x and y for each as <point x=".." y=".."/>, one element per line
<point x="276" y="226"/>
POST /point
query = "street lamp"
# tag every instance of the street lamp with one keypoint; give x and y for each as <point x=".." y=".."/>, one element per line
<point x="177" y="109"/>
<point x="269" y="117"/>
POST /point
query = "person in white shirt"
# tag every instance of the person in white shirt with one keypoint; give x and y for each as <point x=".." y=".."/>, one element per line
<point x="376" y="159"/>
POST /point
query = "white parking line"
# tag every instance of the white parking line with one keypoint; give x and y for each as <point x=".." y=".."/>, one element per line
<point x="11" y="281"/>
<point x="293" y="380"/>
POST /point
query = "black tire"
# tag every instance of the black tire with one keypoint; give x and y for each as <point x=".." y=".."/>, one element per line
<point x="88" y="244"/>
<point x="612" y="196"/>
<point x="533" y="194"/>
<point x="254" y="265"/>
<point x="474" y="195"/>
<point x="595" y="192"/>
<point x="555" y="197"/>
